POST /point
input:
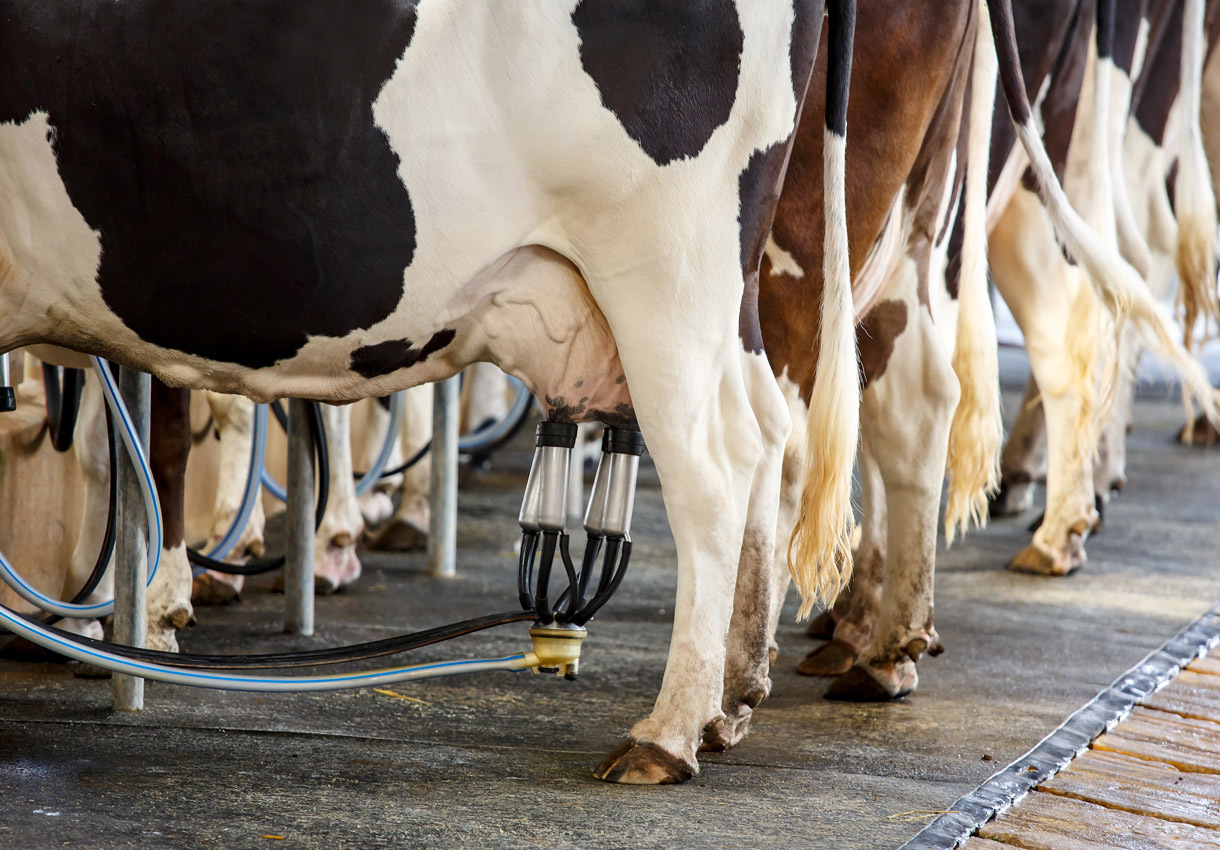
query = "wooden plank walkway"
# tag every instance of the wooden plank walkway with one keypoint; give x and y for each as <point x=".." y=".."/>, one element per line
<point x="1151" y="782"/>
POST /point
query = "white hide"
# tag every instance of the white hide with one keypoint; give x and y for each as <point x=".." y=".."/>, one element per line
<point x="508" y="186"/>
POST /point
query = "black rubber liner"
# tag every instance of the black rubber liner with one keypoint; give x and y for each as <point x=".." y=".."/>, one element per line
<point x="1073" y="737"/>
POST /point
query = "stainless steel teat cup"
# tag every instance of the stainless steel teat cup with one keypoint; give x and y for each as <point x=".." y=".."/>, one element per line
<point x="613" y="498"/>
<point x="545" y="506"/>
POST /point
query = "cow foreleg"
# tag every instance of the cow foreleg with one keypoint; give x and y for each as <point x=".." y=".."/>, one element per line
<point x="407" y="529"/>
<point x="906" y="416"/>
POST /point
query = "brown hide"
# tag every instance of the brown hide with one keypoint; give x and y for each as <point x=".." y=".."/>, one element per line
<point x="907" y="70"/>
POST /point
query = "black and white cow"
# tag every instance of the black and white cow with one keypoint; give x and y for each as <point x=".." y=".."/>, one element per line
<point x="280" y="199"/>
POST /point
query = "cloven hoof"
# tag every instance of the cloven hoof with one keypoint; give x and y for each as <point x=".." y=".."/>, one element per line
<point x="724" y="733"/>
<point x="212" y="589"/>
<point x="643" y="763"/>
<point x="1203" y="433"/>
<point x="399" y="535"/>
<point x="1033" y="560"/>
<point x="857" y="685"/>
<point x="20" y="649"/>
<point x="821" y="627"/>
<point x="829" y="659"/>
<point x="1010" y="500"/>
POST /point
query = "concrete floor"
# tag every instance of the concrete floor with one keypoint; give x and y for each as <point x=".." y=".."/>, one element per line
<point x="505" y="760"/>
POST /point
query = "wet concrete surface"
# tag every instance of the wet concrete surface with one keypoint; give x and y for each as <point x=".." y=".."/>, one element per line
<point x="505" y="760"/>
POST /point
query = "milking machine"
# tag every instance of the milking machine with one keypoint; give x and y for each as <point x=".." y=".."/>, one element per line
<point x="558" y="628"/>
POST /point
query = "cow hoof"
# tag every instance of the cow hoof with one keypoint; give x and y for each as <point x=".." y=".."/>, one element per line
<point x="643" y="763"/>
<point x="91" y="671"/>
<point x="1011" y="499"/>
<point x="829" y="659"/>
<point x="162" y="637"/>
<point x="861" y="685"/>
<point x="728" y="730"/>
<point x="725" y="733"/>
<point x="1034" y="561"/>
<point x="20" y="649"/>
<point x="400" y="535"/>
<point x="1099" y="505"/>
<point x="180" y="617"/>
<point x="1201" y="433"/>
<point x="213" y="588"/>
<point x="376" y="507"/>
<point x="821" y="627"/>
<point x="338" y="568"/>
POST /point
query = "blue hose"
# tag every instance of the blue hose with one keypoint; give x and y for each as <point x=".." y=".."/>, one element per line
<point x="152" y="508"/>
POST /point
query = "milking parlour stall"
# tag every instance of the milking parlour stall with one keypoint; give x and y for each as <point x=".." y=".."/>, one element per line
<point x="426" y="422"/>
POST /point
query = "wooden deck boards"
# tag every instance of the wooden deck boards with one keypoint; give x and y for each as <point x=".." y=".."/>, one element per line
<point x="1152" y="782"/>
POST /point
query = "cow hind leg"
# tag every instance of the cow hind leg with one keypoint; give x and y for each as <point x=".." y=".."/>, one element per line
<point x="407" y="529"/>
<point x="693" y="405"/>
<point x="233" y="417"/>
<point x="855" y="613"/>
<point x="1024" y="459"/>
<point x="169" y="593"/>
<point x="906" y="416"/>
<point x="336" y="564"/>
<point x="747" y="679"/>
<point x="1057" y="315"/>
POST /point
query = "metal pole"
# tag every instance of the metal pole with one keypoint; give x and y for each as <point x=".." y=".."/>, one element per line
<point x="131" y="545"/>
<point x="442" y="530"/>
<point x="298" y="566"/>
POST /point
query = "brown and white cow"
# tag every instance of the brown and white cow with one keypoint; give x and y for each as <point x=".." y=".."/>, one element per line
<point x="881" y="627"/>
<point x="928" y="355"/>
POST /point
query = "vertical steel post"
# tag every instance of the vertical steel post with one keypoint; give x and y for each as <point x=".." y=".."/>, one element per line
<point x="299" y="545"/>
<point x="131" y="544"/>
<point x="442" y="530"/>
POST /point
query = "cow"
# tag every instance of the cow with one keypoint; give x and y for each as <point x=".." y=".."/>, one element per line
<point x="1146" y="48"/>
<point x="879" y="629"/>
<point x="926" y="132"/>
<point x="275" y="201"/>
<point x="355" y="439"/>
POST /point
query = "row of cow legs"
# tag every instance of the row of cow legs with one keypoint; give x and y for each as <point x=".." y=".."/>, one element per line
<point x="168" y="598"/>
<point x="883" y="623"/>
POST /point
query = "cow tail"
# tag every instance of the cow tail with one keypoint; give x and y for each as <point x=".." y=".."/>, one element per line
<point x="819" y="553"/>
<point x="976" y="436"/>
<point x="1115" y="283"/>
<point x="1194" y="200"/>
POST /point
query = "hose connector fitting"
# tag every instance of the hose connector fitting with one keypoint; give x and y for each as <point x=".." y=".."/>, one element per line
<point x="556" y="649"/>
